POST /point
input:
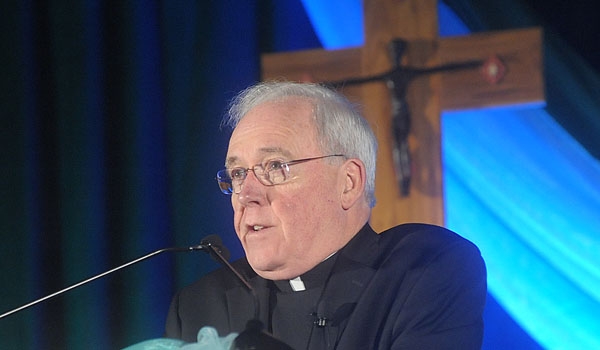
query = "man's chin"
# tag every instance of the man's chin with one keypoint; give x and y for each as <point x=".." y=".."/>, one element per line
<point x="270" y="271"/>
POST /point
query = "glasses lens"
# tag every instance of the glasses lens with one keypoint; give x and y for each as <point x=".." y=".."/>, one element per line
<point x="224" y="181"/>
<point x="276" y="172"/>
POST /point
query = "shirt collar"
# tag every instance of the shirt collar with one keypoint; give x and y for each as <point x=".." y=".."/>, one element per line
<point x="314" y="278"/>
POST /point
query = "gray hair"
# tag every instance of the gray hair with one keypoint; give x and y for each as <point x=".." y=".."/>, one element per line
<point x="340" y="126"/>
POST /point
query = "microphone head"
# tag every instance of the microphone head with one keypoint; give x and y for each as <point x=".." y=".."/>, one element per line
<point x="216" y="242"/>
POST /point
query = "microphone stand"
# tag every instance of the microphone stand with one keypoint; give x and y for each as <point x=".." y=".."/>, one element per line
<point x="253" y="337"/>
<point x="100" y="275"/>
<point x="215" y="252"/>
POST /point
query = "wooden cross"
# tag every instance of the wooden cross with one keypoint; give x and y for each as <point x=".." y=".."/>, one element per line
<point x="518" y="53"/>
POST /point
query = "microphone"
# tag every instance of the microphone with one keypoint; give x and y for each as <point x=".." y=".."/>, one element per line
<point x="211" y="244"/>
<point x="215" y="249"/>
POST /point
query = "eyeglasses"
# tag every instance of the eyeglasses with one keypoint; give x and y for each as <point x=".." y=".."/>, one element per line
<point x="272" y="172"/>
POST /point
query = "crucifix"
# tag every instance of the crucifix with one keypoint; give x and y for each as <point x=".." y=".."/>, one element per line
<point x="403" y="77"/>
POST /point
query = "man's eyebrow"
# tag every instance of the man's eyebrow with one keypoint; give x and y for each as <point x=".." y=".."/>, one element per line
<point x="274" y="150"/>
<point x="231" y="161"/>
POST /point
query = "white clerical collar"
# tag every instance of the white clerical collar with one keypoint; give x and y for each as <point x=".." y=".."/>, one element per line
<point x="297" y="284"/>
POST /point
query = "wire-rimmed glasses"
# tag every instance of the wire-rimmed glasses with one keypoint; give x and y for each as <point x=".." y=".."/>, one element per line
<point x="270" y="173"/>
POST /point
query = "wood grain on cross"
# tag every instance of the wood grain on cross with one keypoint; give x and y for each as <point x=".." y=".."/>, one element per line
<point x="416" y="22"/>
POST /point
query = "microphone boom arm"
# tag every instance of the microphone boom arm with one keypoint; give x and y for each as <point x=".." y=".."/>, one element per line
<point x="100" y="275"/>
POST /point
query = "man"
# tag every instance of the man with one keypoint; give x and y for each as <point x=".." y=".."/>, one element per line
<point x="300" y="170"/>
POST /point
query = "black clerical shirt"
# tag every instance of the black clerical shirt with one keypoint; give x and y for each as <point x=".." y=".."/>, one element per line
<point x="414" y="286"/>
<point x="295" y="315"/>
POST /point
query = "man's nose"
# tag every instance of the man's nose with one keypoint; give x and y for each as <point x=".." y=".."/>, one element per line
<point x="251" y="189"/>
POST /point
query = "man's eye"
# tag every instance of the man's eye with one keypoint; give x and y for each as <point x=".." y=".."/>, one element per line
<point x="274" y="165"/>
<point x="237" y="173"/>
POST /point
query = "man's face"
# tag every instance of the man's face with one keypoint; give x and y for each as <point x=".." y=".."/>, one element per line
<point x="289" y="228"/>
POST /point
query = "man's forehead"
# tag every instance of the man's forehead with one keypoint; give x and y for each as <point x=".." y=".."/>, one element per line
<point x="259" y="153"/>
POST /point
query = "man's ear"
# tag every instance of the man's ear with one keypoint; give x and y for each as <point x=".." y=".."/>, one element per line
<point x="354" y="181"/>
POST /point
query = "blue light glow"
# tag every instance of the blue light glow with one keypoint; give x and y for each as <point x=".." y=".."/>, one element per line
<point x="520" y="188"/>
<point x="337" y="23"/>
